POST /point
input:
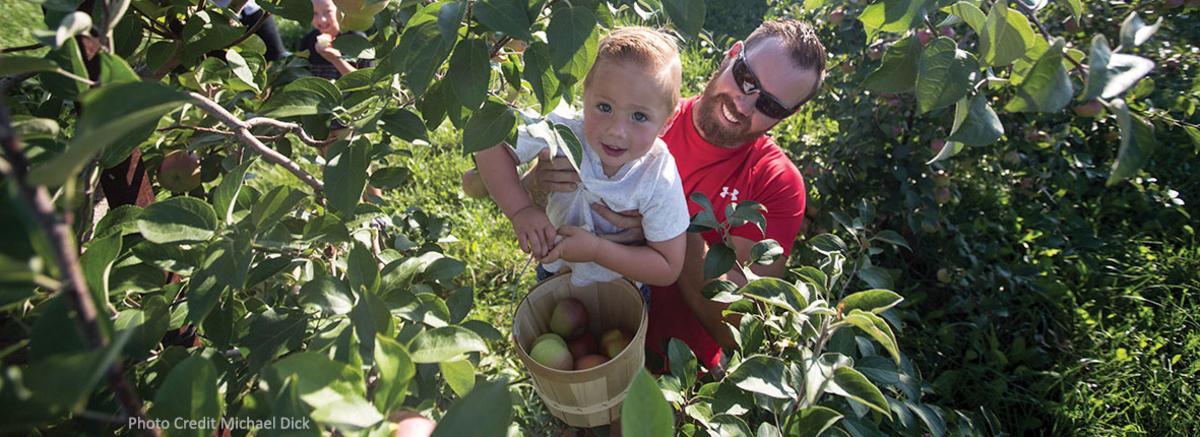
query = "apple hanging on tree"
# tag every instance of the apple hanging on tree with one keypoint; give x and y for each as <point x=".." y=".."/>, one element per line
<point x="179" y="171"/>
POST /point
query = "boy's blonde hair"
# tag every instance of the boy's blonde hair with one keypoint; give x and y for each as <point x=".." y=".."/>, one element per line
<point x="650" y="48"/>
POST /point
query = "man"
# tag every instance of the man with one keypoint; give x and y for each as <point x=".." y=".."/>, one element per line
<point x="721" y="148"/>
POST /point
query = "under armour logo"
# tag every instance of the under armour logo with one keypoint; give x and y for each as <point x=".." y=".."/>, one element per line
<point x="732" y="196"/>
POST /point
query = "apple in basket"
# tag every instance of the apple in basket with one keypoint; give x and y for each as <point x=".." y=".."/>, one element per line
<point x="590" y="361"/>
<point x="569" y="319"/>
<point x="614" y="341"/>
<point x="585" y="344"/>
<point x="551" y="351"/>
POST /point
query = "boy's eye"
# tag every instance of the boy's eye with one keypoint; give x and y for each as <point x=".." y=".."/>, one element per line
<point x="604" y="107"/>
<point x="640" y="117"/>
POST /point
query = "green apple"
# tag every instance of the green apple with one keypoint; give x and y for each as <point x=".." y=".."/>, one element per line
<point x="359" y="15"/>
<point x="551" y="351"/>
<point x="569" y="319"/>
<point x="179" y="171"/>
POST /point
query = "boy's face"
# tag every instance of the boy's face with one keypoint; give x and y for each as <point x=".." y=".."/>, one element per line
<point x="625" y="106"/>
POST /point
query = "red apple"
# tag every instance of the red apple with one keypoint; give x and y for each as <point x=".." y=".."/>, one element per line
<point x="614" y="341"/>
<point x="1071" y="25"/>
<point x="948" y="31"/>
<point x="924" y="35"/>
<point x="837" y="16"/>
<point x="412" y="424"/>
<point x="590" y="361"/>
<point x="551" y="351"/>
<point x="937" y="144"/>
<point x="1090" y="109"/>
<point x="941" y="195"/>
<point x="584" y="344"/>
<point x="179" y="171"/>
<point x="569" y="318"/>
<point x="472" y="184"/>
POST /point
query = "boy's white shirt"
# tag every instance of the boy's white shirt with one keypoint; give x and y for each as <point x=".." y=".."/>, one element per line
<point x="250" y="7"/>
<point x="649" y="184"/>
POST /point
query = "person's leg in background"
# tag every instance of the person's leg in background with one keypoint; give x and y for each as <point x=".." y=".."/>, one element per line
<point x="268" y="31"/>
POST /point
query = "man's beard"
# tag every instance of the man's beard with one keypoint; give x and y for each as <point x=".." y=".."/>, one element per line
<point x="710" y="116"/>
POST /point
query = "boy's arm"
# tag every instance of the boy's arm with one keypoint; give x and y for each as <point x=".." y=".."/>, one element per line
<point x="657" y="263"/>
<point x="498" y="171"/>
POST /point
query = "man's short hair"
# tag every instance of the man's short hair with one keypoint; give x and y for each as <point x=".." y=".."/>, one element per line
<point x="649" y="48"/>
<point x="800" y="40"/>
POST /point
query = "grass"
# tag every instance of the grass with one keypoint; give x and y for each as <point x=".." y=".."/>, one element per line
<point x="19" y="17"/>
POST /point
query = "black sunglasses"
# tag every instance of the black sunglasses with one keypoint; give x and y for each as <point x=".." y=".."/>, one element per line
<point x="748" y="82"/>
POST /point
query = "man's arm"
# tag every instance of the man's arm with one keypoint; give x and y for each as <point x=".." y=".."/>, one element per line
<point x="691" y="281"/>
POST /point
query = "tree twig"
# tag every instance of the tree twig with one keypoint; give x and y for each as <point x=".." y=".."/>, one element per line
<point x="290" y="127"/>
<point x="34" y="46"/>
<point x="241" y="130"/>
<point x="74" y="287"/>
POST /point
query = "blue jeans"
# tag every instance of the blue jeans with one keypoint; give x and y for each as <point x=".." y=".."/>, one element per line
<point x="543" y="274"/>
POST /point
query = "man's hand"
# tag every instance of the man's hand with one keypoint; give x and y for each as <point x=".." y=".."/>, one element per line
<point x="576" y="245"/>
<point x="534" y="232"/>
<point x="325" y="17"/>
<point x="630" y="221"/>
<point x="553" y="175"/>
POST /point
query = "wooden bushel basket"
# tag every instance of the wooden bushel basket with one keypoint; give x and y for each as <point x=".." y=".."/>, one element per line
<point x="592" y="397"/>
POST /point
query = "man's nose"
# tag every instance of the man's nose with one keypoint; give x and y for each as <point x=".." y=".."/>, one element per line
<point x="745" y="103"/>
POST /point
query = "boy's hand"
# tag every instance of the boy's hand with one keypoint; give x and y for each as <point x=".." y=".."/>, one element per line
<point x="534" y="231"/>
<point x="576" y="245"/>
<point x="324" y="47"/>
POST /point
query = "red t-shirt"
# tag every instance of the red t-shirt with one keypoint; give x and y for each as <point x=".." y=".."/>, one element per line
<point x="757" y="171"/>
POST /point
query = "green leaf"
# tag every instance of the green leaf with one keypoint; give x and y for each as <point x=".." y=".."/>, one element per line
<point x="970" y="13"/>
<point x="1046" y="88"/>
<point x="1137" y="143"/>
<point x="683" y="361"/>
<point x="1135" y="32"/>
<point x="975" y="123"/>
<point x="1194" y="134"/>
<point x="875" y="276"/>
<point x="485" y="411"/>
<point x="891" y="237"/>
<point x="459" y="375"/>
<point x="329" y="294"/>
<point x="508" y="16"/>
<point x="827" y="244"/>
<point x="15" y="65"/>
<point x="345" y="177"/>
<point x="422" y="49"/>
<point x="334" y="390"/>
<point x="1005" y="37"/>
<point x="686" y="15"/>
<point x="877" y="328"/>
<point x="729" y="425"/>
<point x="720" y="290"/>
<point x="763" y="375"/>
<point x="573" y="37"/>
<point x="895" y="16"/>
<point x="489" y="126"/>
<point x="405" y="125"/>
<point x="776" y="292"/>
<point x="1076" y="8"/>
<point x="396" y="369"/>
<point x="813" y="421"/>
<point x="898" y="72"/>
<point x="469" y="73"/>
<point x="178" y="219"/>
<point x="148" y="323"/>
<point x="445" y="344"/>
<point x="304" y="96"/>
<point x="645" y="411"/>
<point x="875" y="301"/>
<point x="113" y="115"/>
<point x="69" y="59"/>
<point x="240" y="69"/>
<point x="1111" y="74"/>
<point x="273" y="206"/>
<point x="226" y="193"/>
<point x="853" y="385"/>
<point x="62" y="382"/>
<point x="225" y="266"/>
<point x="718" y="261"/>
<point x="189" y="391"/>
<point x="362" y="270"/>
<point x="269" y="332"/>
<point x="765" y="252"/>
<point x="97" y="262"/>
<point x="541" y="77"/>
<point x="390" y="177"/>
<point x="944" y="74"/>
<point x="72" y="24"/>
